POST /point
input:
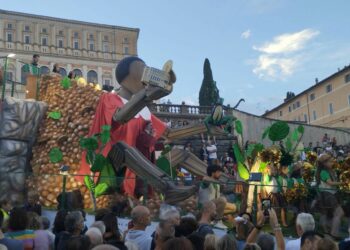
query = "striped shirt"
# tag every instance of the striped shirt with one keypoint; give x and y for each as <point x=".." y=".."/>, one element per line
<point x="26" y="236"/>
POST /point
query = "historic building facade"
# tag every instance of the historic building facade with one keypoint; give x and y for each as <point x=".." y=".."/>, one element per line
<point x="89" y="49"/>
<point x="327" y="103"/>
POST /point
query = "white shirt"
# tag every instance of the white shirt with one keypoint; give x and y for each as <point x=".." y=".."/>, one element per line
<point x="293" y="244"/>
<point x="212" y="152"/>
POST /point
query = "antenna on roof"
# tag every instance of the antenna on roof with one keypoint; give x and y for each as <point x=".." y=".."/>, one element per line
<point x="316" y="80"/>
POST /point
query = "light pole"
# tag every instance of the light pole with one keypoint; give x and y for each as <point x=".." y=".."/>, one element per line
<point x="5" y="74"/>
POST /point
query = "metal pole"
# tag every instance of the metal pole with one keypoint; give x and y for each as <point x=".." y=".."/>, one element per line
<point x="64" y="191"/>
<point x="4" y="81"/>
<point x="12" y="88"/>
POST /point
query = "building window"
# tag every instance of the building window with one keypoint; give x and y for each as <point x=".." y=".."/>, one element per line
<point x="92" y="76"/>
<point x="312" y="97"/>
<point x="91" y="46"/>
<point x="294" y="106"/>
<point x="77" y="72"/>
<point x="76" y="35"/>
<point x="328" y="88"/>
<point x="60" y="33"/>
<point x="44" y="70"/>
<point x="298" y="104"/>
<point x="105" y="47"/>
<point x="349" y="100"/>
<point x="105" y="38"/>
<point x="26" y="47"/>
<point x="126" y="40"/>
<point x="27" y="39"/>
<point x="305" y="117"/>
<point x="290" y="109"/>
<point x="44" y="30"/>
<point x="26" y="28"/>
<point x="126" y="50"/>
<point x="314" y="115"/>
<point x="63" y="72"/>
<point x="91" y="37"/>
<point x="9" y="37"/>
<point x="330" y="108"/>
<point x="281" y="113"/>
<point x="44" y="41"/>
<point x="60" y="43"/>
<point x="347" y="78"/>
<point x="107" y="82"/>
<point x="76" y="45"/>
<point x="9" y="26"/>
<point x="9" y="75"/>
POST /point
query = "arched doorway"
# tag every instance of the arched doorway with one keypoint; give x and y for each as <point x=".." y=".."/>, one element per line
<point x="44" y="70"/>
<point x="63" y="72"/>
<point x="77" y="72"/>
<point x="92" y="76"/>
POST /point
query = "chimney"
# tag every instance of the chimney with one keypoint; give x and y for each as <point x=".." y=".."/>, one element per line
<point x="316" y="80"/>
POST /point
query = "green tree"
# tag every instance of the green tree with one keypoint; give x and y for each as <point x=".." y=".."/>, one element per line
<point x="209" y="93"/>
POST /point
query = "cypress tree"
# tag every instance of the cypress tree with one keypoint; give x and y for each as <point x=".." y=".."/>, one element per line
<point x="209" y="93"/>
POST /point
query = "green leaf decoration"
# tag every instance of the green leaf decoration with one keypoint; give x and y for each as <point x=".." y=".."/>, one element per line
<point x="108" y="176"/>
<point x="66" y="83"/>
<point x="166" y="150"/>
<point x="56" y="115"/>
<point x="243" y="171"/>
<point x="101" y="189"/>
<point x="239" y="127"/>
<point x="90" y="157"/>
<point x="238" y="154"/>
<point x="250" y="150"/>
<point x="266" y="132"/>
<point x="164" y="165"/>
<point x="289" y="144"/>
<point x="55" y="155"/>
<point x="278" y="131"/>
<point x="90" y="143"/>
<point x="99" y="162"/>
<point x="89" y="183"/>
<point x="295" y="135"/>
<point x="105" y="134"/>
<point x="263" y="166"/>
<point x="301" y="129"/>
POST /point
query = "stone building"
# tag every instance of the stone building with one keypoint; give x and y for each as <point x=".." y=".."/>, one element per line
<point x="89" y="49"/>
<point x="326" y="103"/>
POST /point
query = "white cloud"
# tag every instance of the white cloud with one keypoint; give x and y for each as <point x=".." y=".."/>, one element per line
<point x="246" y="34"/>
<point x="289" y="42"/>
<point x="280" y="57"/>
<point x="271" y="67"/>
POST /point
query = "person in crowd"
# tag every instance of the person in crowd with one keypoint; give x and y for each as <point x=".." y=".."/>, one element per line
<point x="141" y="219"/>
<point x="197" y="241"/>
<point x="251" y="246"/>
<point x="46" y="226"/>
<point x="187" y="226"/>
<point x="334" y="142"/>
<point x="327" y="182"/>
<point x="304" y="222"/>
<point x="210" y="191"/>
<point x="203" y="153"/>
<point x="164" y="232"/>
<point x="17" y="228"/>
<point x="345" y="244"/>
<point x="9" y="243"/>
<point x="188" y="147"/>
<point x="112" y="235"/>
<point x="317" y="149"/>
<point x="244" y="226"/>
<point x="309" y="240"/>
<point x="78" y="242"/>
<point x="100" y="226"/>
<point x="95" y="236"/>
<point x="58" y="225"/>
<point x="227" y="242"/>
<point x="178" y="244"/>
<point x="210" y="242"/>
<point x="131" y="246"/>
<point x="207" y="216"/>
<point x="41" y="240"/>
<point x="326" y="244"/>
<point x="5" y="208"/>
<point x="212" y="151"/>
<point x="101" y="212"/>
<point x="33" y="204"/>
<point x="74" y="224"/>
<point x="109" y="247"/>
<point x="265" y="241"/>
<point x="71" y="75"/>
<point x="56" y="68"/>
<point x="325" y="140"/>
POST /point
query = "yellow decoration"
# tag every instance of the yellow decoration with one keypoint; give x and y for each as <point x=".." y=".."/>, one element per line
<point x="81" y="82"/>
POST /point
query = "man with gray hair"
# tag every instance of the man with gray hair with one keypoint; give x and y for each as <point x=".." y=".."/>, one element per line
<point x="100" y="226"/>
<point x="74" y="224"/>
<point x="95" y="236"/>
<point x="141" y="218"/>
<point x="305" y="222"/>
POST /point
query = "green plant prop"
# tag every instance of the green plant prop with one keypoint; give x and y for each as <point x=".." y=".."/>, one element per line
<point x="99" y="164"/>
<point x="66" y="82"/>
<point x="56" y="115"/>
<point x="278" y="131"/>
<point x="55" y="155"/>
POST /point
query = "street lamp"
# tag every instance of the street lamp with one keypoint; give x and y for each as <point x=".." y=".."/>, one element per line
<point x="5" y="74"/>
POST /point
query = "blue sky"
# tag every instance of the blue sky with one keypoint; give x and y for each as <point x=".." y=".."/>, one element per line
<point x="258" y="49"/>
